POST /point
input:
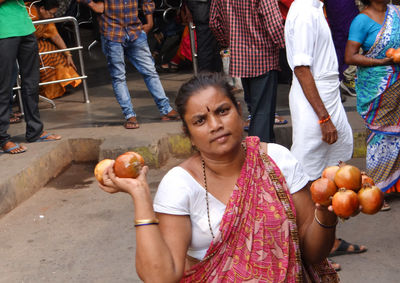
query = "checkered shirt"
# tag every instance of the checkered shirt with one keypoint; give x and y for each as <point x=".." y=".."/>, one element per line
<point x="120" y="18"/>
<point x="253" y="29"/>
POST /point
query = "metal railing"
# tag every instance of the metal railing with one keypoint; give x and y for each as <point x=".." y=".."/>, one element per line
<point x="78" y="48"/>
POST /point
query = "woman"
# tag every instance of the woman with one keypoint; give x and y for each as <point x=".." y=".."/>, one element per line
<point x="55" y="66"/>
<point x="375" y="30"/>
<point x="234" y="211"/>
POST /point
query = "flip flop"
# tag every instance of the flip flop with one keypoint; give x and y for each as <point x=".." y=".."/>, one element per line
<point x="170" y="116"/>
<point x="279" y="120"/>
<point x="15" y="120"/>
<point x="17" y="146"/>
<point x="334" y="265"/>
<point x="45" y="138"/>
<point x="343" y="249"/>
<point x="385" y="206"/>
<point x="129" y="124"/>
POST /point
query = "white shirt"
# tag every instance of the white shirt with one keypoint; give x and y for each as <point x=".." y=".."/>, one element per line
<point x="180" y="194"/>
<point x="309" y="43"/>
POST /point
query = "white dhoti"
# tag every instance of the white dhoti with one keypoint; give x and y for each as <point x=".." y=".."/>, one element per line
<point x="308" y="147"/>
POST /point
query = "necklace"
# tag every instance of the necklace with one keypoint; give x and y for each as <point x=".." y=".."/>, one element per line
<point x="208" y="205"/>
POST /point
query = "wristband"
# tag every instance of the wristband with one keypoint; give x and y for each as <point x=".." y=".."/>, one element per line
<point x="324" y="120"/>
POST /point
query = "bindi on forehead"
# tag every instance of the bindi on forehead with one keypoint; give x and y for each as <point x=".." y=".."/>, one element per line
<point x="208" y="109"/>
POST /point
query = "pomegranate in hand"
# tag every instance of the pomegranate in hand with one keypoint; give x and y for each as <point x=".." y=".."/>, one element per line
<point x="128" y="165"/>
<point x="371" y="199"/>
<point x="99" y="169"/>
<point x="329" y="172"/>
<point x="322" y="191"/>
<point x="345" y="203"/>
<point x="348" y="177"/>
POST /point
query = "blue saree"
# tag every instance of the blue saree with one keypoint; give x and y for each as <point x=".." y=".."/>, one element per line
<point x="378" y="103"/>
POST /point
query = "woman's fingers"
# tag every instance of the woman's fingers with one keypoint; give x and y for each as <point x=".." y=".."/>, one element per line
<point x="108" y="189"/>
<point x="143" y="173"/>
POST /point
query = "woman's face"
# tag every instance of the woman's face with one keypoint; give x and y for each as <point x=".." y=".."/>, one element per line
<point x="47" y="14"/>
<point x="215" y="125"/>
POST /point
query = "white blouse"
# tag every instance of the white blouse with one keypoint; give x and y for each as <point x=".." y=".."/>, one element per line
<point x="180" y="194"/>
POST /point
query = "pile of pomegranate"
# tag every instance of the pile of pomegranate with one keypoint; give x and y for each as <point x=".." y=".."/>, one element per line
<point x="127" y="165"/>
<point x="345" y="187"/>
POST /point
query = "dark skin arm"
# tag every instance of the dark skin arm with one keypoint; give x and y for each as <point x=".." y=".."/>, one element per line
<point x="315" y="241"/>
<point x="353" y="57"/>
<point x="96" y="7"/>
<point x="306" y="80"/>
<point x="149" y="23"/>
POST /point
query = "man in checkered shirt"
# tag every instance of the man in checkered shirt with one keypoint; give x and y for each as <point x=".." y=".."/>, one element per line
<point x="123" y="34"/>
<point x="253" y="30"/>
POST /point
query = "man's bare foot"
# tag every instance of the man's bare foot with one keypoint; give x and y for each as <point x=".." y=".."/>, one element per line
<point x="13" y="148"/>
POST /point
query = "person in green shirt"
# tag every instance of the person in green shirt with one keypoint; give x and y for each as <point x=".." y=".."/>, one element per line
<point x="18" y="44"/>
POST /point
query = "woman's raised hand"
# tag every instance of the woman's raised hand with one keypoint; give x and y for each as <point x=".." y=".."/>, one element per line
<point x="70" y="62"/>
<point x="114" y="184"/>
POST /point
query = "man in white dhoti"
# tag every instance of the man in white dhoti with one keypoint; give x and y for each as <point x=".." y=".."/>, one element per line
<point x="322" y="135"/>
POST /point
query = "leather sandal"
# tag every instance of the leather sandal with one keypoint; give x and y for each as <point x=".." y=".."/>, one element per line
<point x="131" y="123"/>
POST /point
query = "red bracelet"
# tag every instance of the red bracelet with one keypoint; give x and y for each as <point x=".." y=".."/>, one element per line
<point x="324" y="120"/>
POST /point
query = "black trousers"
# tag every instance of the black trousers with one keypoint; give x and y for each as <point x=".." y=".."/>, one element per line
<point x="208" y="57"/>
<point x="260" y="93"/>
<point x="23" y="49"/>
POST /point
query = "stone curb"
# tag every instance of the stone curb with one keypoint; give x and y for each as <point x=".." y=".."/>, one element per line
<point x="20" y="186"/>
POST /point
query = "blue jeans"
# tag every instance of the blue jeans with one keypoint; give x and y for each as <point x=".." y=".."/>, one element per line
<point x="138" y="53"/>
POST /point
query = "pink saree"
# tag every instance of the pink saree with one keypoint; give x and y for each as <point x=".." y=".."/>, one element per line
<point x="258" y="239"/>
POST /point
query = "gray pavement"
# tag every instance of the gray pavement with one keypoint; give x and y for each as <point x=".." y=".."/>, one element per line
<point x="64" y="229"/>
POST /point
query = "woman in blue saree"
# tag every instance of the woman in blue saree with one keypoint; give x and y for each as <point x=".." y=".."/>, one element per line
<point x="375" y="30"/>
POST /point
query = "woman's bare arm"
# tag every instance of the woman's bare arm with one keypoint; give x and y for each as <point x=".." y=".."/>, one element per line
<point x="315" y="240"/>
<point x="160" y="249"/>
<point x="353" y="57"/>
<point x="59" y="42"/>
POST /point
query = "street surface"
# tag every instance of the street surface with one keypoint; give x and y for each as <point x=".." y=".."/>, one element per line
<point x="71" y="231"/>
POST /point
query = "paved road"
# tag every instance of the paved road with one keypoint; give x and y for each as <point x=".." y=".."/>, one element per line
<point x="71" y="231"/>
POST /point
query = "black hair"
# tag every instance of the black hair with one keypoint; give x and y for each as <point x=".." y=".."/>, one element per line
<point x="47" y="4"/>
<point x="201" y="82"/>
<point x="366" y="2"/>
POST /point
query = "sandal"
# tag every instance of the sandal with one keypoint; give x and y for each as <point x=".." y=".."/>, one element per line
<point x="14" y="149"/>
<point x="15" y="119"/>
<point x="344" y="246"/>
<point x="131" y="123"/>
<point x="171" y="68"/>
<point x="385" y="206"/>
<point x="170" y="116"/>
<point x="334" y="265"/>
<point x="46" y="137"/>
<point x="280" y="120"/>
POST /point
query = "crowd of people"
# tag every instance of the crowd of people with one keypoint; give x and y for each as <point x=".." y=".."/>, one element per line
<point x="239" y="209"/>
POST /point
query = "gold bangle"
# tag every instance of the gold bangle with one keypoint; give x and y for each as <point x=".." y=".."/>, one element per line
<point x="324" y="120"/>
<point x="322" y="224"/>
<point x="146" y="221"/>
<point x="68" y="53"/>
